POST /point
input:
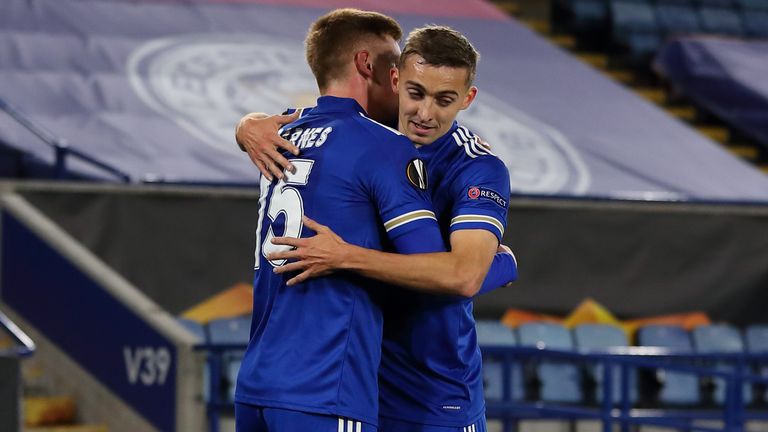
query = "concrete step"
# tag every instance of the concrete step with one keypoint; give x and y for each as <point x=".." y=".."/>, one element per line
<point x="509" y="7"/>
<point x="622" y="76"/>
<point x="599" y="61"/>
<point x="40" y="411"/>
<point x="540" y="26"/>
<point x="717" y="133"/>
<point x="685" y="113"/>
<point x="563" y="41"/>
<point x="653" y="94"/>
<point x="71" y="428"/>
<point x="744" y="151"/>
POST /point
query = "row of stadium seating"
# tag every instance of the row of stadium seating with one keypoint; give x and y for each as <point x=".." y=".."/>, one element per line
<point x="639" y="27"/>
<point x="555" y="380"/>
<point x="568" y="382"/>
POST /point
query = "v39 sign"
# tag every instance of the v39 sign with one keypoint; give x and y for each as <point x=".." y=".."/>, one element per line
<point x="146" y="365"/>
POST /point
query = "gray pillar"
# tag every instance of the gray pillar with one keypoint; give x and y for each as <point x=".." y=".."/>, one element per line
<point x="10" y="394"/>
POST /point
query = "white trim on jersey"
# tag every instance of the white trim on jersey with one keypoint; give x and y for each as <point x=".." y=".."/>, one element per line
<point x="380" y="124"/>
<point x="470" y="218"/>
<point x="469" y="142"/>
<point x="349" y="426"/>
<point x="407" y="218"/>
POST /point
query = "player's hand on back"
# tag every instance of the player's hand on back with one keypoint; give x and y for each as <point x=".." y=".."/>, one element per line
<point x="483" y="143"/>
<point x="257" y="135"/>
<point x="311" y="256"/>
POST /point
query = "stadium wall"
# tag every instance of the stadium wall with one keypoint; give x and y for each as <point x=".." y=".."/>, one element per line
<point x="181" y="245"/>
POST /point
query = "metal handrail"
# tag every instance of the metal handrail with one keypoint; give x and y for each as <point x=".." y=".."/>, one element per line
<point x="732" y="413"/>
<point x="25" y="346"/>
<point x="60" y="146"/>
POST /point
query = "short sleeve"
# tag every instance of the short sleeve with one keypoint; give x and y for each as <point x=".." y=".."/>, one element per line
<point x="481" y="193"/>
<point x="397" y="180"/>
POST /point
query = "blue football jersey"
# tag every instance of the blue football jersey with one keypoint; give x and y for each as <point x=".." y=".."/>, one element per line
<point x="431" y="365"/>
<point x="315" y="347"/>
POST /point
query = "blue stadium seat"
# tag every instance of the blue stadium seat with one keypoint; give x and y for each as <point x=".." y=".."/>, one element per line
<point x="602" y="336"/>
<point x="588" y="15"/>
<point x="496" y="333"/>
<point x="635" y="29"/>
<point x="755" y="23"/>
<point x="757" y="338"/>
<point x="757" y="343"/>
<point x="677" y="388"/>
<point x="720" y="338"/>
<point x="753" y="5"/>
<point x="721" y="21"/>
<point x="225" y="332"/>
<point x="230" y="330"/>
<point x="559" y="381"/>
<point x="716" y="3"/>
<point x="677" y="19"/>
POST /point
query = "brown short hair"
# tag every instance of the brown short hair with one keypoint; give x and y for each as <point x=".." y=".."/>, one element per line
<point x="442" y="46"/>
<point x="334" y="36"/>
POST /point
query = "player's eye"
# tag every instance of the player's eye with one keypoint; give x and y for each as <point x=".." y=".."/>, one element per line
<point x="415" y="94"/>
<point x="445" y="101"/>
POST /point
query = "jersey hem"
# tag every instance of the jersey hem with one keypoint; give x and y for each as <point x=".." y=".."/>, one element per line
<point x="436" y="422"/>
<point x="307" y="409"/>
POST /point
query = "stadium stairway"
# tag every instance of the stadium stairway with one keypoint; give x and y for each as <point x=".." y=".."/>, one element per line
<point x="45" y="413"/>
<point x="535" y="15"/>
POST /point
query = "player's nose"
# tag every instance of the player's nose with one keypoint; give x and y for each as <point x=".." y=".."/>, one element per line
<point x="425" y="111"/>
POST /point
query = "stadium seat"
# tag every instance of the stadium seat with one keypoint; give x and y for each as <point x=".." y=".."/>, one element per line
<point x="720" y="338"/>
<point x="588" y="15"/>
<point x="757" y="338"/>
<point x="716" y="3"/>
<point x="757" y="343"/>
<point x="496" y="333"/>
<point x="721" y="21"/>
<point x="635" y="29"/>
<point x="753" y="5"/>
<point x="755" y="23"/>
<point x="225" y="332"/>
<point x="677" y="388"/>
<point x="559" y="381"/>
<point x="677" y="19"/>
<point x="602" y="336"/>
<point x="230" y="330"/>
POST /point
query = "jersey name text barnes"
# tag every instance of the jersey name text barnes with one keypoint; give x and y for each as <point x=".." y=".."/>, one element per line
<point x="307" y="138"/>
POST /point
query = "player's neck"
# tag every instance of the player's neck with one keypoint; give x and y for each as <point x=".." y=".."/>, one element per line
<point x="350" y="88"/>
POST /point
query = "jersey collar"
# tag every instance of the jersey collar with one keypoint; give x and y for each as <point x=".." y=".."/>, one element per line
<point x="337" y="104"/>
<point x="430" y="149"/>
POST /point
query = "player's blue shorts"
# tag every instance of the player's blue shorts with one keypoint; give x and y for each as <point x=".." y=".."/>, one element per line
<point x="391" y="425"/>
<point x="250" y="418"/>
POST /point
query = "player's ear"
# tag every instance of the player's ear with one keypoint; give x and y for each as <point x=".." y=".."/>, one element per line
<point x="394" y="76"/>
<point x="363" y="64"/>
<point x="471" y="93"/>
